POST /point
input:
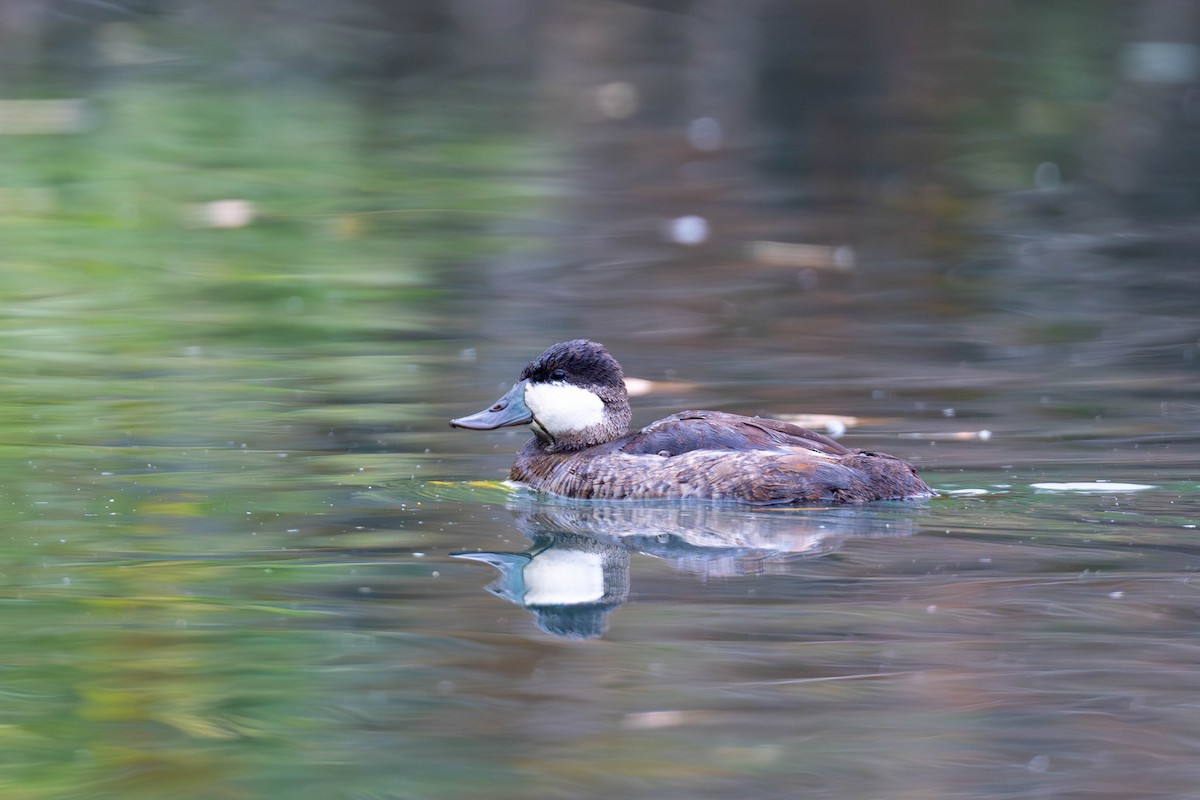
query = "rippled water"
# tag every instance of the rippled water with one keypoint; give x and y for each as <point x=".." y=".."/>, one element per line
<point x="245" y="556"/>
<point x="231" y="620"/>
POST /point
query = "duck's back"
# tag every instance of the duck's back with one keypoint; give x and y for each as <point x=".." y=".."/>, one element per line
<point x="711" y="455"/>
<point x="715" y="430"/>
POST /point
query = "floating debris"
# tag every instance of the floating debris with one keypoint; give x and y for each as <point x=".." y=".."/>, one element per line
<point x="953" y="436"/>
<point x="25" y="117"/>
<point x="653" y="720"/>
<point x="1091" y="486"/>
<point x="834" y="424"/>
<point x="224" y="214"/>
<point x="639" y="387"/>
<point x="803" y="256"/>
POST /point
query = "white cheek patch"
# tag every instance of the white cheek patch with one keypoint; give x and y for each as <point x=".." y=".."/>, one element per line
<point x="561" y="408"/>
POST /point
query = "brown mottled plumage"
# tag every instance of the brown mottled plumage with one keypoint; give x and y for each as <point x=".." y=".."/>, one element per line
<point x="574" y="397"/>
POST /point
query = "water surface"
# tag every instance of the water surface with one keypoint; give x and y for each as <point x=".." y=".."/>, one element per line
<point x="245" y="556"/>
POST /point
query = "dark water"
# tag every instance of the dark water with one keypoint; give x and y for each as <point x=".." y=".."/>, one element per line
<point x="244" y="556"/>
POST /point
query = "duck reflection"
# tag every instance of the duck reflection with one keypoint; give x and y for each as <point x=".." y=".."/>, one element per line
<point x="576" y="569"/>
<point x="568" y="582"/>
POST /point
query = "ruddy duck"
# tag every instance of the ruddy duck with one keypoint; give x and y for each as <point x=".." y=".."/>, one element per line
<point x="573" y="396"/>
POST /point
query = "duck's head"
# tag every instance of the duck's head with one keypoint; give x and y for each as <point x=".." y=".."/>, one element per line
<point x="573" y="395"/>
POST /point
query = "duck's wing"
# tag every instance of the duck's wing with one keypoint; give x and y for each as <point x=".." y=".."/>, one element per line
<point x="716" y="430"/>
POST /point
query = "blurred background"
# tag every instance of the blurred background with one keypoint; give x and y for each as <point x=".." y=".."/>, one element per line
<point x="963" y="193"/>
<point x="254" y="255"/>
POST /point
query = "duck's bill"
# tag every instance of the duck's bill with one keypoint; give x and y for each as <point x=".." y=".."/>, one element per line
<point x="508" y="410"/>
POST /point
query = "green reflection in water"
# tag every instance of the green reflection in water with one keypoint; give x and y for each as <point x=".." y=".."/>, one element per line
<point x="176" y="596"/>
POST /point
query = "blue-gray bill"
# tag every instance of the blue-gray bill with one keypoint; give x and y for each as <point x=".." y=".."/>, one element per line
<point x="508" y="410"/>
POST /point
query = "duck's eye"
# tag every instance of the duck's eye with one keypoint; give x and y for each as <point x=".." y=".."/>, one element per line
<point x="558" y="375"/>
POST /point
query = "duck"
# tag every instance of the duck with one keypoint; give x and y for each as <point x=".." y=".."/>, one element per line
<point x="573" y="397"/>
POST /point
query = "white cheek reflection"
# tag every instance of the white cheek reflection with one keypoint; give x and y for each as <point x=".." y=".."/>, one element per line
<point x="562" y="408"/>
<point x="564" y="578"/>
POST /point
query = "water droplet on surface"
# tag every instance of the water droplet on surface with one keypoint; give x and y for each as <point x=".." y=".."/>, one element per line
<point x="1047" y="176"/>
<point x="704" y="133"/>
<point x="689" y="230"/>
<point x="616" y="100"/>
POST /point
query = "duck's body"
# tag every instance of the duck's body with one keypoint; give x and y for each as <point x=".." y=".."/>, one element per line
<point x="574" y="397"/>
<point x="710" y="455"/>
